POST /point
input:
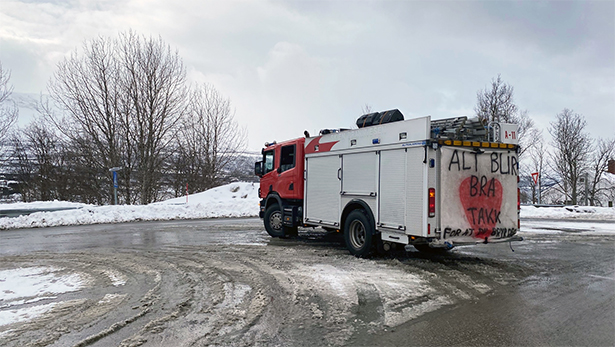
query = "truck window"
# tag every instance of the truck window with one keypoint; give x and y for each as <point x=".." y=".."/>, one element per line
<point x="268" y="160"/>
<point x="287" y="158"/>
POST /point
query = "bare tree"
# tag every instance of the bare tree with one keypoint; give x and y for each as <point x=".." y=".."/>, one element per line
<point x="38" y="153"/>
<point x="8" y="108"/>
<point x="537" y="164"/>
<point x="605" y="150"/>
<point x="527" y="132"/>
<point x="572" y="148"/>
<point x="123" y="98"/>
<point x="83" y="179"/>
<point x="154" y="84"/>
<point x="209" y="140"/>
<point x="497" y="104"/>
<point x="87" y="87"/>
<point x="24" y="166"/>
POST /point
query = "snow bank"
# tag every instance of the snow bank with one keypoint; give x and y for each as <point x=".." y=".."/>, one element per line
<point x="569" y="212"/>
<point x="231" y="200"/>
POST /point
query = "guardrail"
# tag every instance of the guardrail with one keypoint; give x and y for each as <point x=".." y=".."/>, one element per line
<point x="25" y="212"/>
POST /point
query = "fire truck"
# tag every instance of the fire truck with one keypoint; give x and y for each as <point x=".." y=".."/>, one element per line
<point x="433" y="184"/>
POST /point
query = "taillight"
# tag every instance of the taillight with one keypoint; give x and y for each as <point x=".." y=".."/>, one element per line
<point x="518" y="199"/>
<point x="432" y="202"/>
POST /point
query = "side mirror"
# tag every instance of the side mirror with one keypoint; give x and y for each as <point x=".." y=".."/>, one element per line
<point x="258" y="168"/>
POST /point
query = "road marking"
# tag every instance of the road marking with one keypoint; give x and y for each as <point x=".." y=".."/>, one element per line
<point x="603" y="277"/>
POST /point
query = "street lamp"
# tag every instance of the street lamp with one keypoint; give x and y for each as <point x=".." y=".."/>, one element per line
<point x="115" y="170"/>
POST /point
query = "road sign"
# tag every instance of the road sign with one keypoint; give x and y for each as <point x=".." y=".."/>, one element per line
<point x="535" y="177"/>
<point x="114" y="179"/>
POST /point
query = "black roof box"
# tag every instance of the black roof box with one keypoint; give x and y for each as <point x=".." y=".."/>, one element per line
<point x="377" y="118"/>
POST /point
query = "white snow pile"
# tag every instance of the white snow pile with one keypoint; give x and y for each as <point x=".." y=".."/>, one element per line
<point x="22" y="286"/>
<point x="569" y="212"/>
<point x="232" y="200"/>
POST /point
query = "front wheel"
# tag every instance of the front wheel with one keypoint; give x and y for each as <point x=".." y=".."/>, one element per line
<point x="358" y="233"/>
<point x="273" y="221"/>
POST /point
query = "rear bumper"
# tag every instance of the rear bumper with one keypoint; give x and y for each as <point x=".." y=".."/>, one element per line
<point x="450" y="243"/>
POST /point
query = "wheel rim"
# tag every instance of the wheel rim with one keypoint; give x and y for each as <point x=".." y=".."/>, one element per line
<point x="275" y="220"/>
<point x="357" y="234"/>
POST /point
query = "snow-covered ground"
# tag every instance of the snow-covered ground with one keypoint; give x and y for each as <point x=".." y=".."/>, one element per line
<point x="231" y="200"/>
<point x="28" y="285"/>
<point x="21" y="288"/>
<point x="577" y="219"/>
<point x="569" y="212"/>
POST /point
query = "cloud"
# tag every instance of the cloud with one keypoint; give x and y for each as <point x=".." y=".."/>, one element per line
<point x="288" y="66"/>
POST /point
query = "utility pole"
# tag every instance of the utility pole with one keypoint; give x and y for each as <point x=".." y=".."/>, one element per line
<point x="586" y="185"/>
<point x="539" y="191"/>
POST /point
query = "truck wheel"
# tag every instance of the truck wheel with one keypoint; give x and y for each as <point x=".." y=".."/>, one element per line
<point x="273" y="221"/>
<point x="358" y="233"/>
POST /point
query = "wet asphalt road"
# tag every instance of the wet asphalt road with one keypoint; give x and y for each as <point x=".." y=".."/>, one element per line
<point x="566" y="298"/>
<point x="562" y="294"/>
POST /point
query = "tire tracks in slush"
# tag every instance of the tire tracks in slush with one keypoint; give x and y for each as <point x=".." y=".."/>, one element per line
<point x="246" y="295"/>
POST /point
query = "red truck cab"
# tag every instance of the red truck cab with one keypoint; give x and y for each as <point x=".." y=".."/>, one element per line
<point x="281" y="186"/>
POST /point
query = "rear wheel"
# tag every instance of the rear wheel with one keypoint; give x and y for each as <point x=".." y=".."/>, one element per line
<point x="358" y="233"/>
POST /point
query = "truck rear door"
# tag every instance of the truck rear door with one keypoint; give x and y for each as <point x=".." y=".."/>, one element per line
<point x="478" y="193"/>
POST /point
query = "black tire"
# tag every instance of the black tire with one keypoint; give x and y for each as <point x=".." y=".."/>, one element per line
<point x="359" y="233"/>
<point x="273" y="221"/>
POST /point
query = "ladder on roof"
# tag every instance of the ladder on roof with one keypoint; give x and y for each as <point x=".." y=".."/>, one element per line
<point x="459" y="128"/>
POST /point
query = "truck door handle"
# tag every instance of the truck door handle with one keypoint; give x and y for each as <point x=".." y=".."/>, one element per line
<point x="339" y="174"/>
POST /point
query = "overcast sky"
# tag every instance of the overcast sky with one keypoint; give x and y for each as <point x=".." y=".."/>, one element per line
<point x="289" y="66"/>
